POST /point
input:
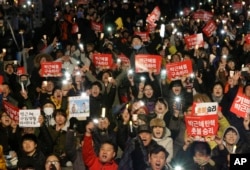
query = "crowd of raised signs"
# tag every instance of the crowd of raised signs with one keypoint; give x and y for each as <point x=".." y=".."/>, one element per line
<point x="128" y="85"/>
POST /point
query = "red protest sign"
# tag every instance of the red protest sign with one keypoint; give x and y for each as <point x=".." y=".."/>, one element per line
<point x="1" y="79"/>
<point x="98" y="27"/>
<point x="20" y="71"/>
<point x="147" y="62"/>
<point x="74" y="28"/>
<point x="103" y="60"/>
<point x="144" y="35"/>
<point x="202" y="15"/>
<point x="237" y="6"/>
<point x="154" y="16"/>
<point x="51" y="69"/>
<point x="11" y="110"/>
<point x="201" y="127"/>
<point x="209" y="28"/>
<point x="194" y="41"/>
<point x="150" y="28"/>
<point x="241" y="105"/>
<point x="179" y="69"/>
<point x="124" y="59"/>
<point x="82" y="2"/>
<point x="247" y="38"/>
<point x="186" y="11"/>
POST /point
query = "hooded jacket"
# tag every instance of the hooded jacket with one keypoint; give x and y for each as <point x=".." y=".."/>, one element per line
<point x="240" y="147"/>
<point x="167" y="142"/>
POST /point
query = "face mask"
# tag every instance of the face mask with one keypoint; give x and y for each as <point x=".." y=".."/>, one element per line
<point x="48" y="110"/>
<point x="137" y="47"/>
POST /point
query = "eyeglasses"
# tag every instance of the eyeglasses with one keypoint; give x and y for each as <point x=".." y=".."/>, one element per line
<point x="52" y="162"/>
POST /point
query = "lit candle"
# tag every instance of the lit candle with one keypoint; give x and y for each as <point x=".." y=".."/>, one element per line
<point x="231" y="73"/>
<point x="234" y="149"/>
<point x="103" y="112"/>
<point x="45" y="83"/>
<point x="44" y="37"/>
<point x="15" y="62"/>
<point x="22" y="86"/>
<point x="131" y="126"/>
<point x="127" y="106"/>
<point x="79" y="36"/>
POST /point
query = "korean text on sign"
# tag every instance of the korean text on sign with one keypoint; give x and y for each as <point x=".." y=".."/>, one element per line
<point x="241" y="105"/>
<point x="11" y="110"/>
<point x="201" y="127"/>
<point x="29" y="118"/>
<point x="179" y="69"/>
<point x="51" y="69"/>
<point x="102" y="60"/>
<point x="146" y="63"/>
<point x="194" y="41"/>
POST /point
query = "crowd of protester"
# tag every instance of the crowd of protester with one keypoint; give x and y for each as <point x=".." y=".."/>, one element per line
<point x="144" y="127"/>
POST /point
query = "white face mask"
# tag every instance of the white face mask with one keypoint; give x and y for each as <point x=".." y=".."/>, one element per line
<point x="48" y="110"/>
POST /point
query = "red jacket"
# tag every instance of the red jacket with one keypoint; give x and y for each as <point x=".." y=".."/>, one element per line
<point x="91" y="160"/>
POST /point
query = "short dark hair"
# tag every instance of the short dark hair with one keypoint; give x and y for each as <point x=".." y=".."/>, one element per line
<point x="110" y="143"/>
<point x="60" y="112"/>
<point x="157" y="149"/>
<point x="31" y="137"/>
<point x="200" y="147"/>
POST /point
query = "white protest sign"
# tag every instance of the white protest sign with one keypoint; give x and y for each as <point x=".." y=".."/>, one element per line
<point x="207" y="108"/>
<point x="79" y="106"/>
<point x="29" y="118"/>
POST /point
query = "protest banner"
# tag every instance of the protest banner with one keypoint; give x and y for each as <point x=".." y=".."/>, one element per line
<point x="209" y="28"/>
<point x="144" y="35"/>
<point x="51" y="69"/>
<point x="206" y="108"/>
<point x="150" y="28"/>
<point x="11" y="110"/>
<point x="154" y="16"/>
<point x="241" y="105"/>
<point x="79" y="106"/>
<point x="20" y="71"/>
<point x="202" y="128"/>
<point x="124" y="59"/>
<point x="179" y="69"/>
<point x="29" y="118"/>
<point x="194" y="41"/>
<point x="98" y="27"/>
<point x="247" y="38"/>
<point x="237" y="7"/>
<point x="202" y="15"/>
<point x="147" y="62"/>
<point x="103" y="60"/>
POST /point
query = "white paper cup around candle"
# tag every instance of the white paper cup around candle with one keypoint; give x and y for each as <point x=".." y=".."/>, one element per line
<point x="134" y="117"/>
<point x="103" y="112"/>
<point x="79" y="36"/>
<point x="231" y="73"/>
<point x="44" y="37"/>
<point x="110" y="79"/>
<point x="45" y="83"/>
<point x="15" y="62"/>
